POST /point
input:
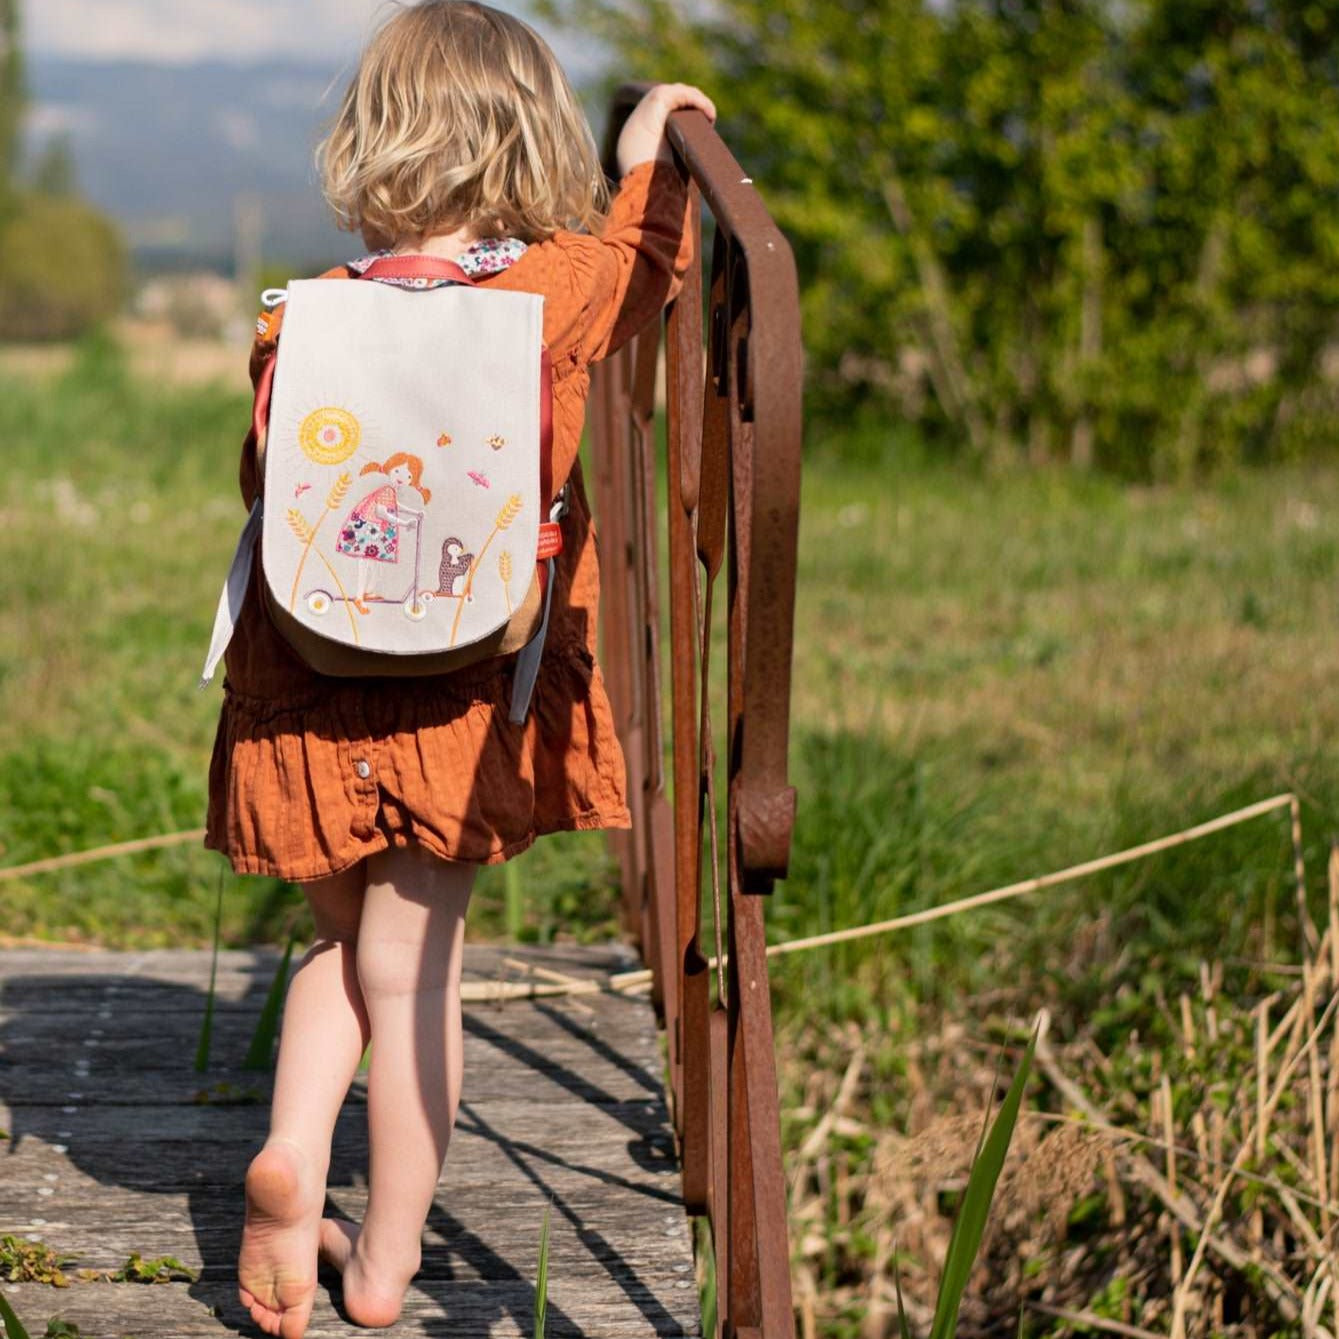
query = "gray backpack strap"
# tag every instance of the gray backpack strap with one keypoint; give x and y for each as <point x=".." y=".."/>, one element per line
<point x="234" y="592"/>
<point x="528" y="658"/>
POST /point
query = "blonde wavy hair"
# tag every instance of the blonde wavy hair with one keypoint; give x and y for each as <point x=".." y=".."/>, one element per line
<point x="459" y="115"/>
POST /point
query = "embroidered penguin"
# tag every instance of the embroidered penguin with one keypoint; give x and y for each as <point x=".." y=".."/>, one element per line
<point x="455" y="564"/>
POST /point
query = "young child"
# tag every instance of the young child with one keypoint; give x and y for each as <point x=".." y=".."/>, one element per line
<point x="458" y="138"/>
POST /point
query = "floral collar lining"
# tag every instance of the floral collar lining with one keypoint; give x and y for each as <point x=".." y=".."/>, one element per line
<point x="489" y="255"/>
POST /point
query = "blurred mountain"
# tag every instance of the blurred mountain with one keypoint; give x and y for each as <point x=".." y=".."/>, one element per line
<point x="175" y="153"/>
<point x="178" y="154"/>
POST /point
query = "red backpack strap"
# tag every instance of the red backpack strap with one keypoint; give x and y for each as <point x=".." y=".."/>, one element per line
<point x="416" y="267"/>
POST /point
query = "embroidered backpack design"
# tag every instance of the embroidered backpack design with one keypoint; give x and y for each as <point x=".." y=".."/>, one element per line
<point x="407" y="520"/>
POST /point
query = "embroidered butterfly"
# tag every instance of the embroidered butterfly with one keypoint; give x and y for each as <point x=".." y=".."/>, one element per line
<point x="444" y="439"/>
<point x="299" y="489"/>
<point x="496" y="442"/>
<point x="479" y="478"/>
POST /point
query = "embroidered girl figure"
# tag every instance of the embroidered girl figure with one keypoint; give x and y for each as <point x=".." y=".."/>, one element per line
<point x="459" y="138"/>
<point x="371" y="530"/>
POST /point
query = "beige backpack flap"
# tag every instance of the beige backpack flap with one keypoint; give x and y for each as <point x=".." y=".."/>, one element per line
<point x="402" y="476"/>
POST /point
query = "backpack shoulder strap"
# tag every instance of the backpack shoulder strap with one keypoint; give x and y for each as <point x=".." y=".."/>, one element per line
<point x="416" y="267"/>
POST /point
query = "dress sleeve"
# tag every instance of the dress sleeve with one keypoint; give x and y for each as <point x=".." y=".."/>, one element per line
<point x="637" y="262"/>
<point x="262" y="354"/>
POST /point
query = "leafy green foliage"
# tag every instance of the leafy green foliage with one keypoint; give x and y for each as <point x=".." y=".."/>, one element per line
<point x="12" y="96"/>
<point x="542" y="1275"/>
<point x="1088" y="231"/>
<point x="24" y="1261"/>
<point x="970" y="1224"/>
<point x="161" y="1269"/>
<point x="62" y="268"/>
<point x="13" y="1326"/>
<point x="260" y="1054"/>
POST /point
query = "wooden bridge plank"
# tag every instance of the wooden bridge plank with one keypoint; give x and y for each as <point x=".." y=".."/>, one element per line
<point x="109" y="1152"/>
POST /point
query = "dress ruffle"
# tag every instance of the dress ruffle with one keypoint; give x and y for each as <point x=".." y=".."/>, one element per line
<point x="310" y="788"/>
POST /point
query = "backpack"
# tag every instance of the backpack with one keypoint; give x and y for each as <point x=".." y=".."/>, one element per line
<point x="407" y="518"/>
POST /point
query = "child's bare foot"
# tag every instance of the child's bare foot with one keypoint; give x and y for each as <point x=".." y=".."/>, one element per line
<point x="276" y="1272"/>
<point x="373" y="1294"/>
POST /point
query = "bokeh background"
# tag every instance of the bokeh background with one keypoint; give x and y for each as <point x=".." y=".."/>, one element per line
<point x="1069" y="553"/>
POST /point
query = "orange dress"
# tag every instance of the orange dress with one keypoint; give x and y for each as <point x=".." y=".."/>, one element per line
<point x="311" y="774"/>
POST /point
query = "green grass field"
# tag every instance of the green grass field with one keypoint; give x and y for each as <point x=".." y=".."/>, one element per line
<point x="995" y="676"/>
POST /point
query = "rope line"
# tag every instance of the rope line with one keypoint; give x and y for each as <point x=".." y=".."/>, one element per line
<point x="56" y="862"/>
<point x="624" y="982"/>
<point x="1013" y="890"/>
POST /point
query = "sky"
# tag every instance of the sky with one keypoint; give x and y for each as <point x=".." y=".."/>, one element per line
<point x="180" y="31"/>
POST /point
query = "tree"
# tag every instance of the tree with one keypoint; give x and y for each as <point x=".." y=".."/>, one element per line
<point x="62" y="269"/>
<point x="11" y="91"/>
<point x="1100" y="230"/>
<point x="54" y="171"/>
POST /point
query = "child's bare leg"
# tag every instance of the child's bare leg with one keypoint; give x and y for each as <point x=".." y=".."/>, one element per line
<point x="324" y="1035"/>
<point x="410" y="945"/>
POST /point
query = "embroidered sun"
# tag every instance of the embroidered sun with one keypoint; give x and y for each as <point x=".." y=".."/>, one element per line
<point x="329" y="435"/>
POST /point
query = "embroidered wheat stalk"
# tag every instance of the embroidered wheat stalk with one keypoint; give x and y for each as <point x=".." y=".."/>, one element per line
<point x="511" y="509"/>
<point x="306" y="532"/>
<point x="504" y="571"/>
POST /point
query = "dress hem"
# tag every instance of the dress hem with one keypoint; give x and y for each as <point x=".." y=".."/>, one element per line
<point x="589" y="821"/>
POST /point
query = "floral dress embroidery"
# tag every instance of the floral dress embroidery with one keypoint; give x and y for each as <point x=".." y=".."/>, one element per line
<point x="366" y="534"/>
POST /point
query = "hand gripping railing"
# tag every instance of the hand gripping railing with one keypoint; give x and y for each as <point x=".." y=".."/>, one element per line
<point x="733" y="471"/>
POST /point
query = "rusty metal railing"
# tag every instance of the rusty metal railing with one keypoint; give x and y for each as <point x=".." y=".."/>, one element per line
<point x="732" y="472"/>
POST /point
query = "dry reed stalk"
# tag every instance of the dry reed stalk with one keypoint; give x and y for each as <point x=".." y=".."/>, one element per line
<point x="1187" y="1027"/>
<point x="1300" y="1221"/>
<point x="1261" y="1132"/>
<point x="1332" y="1087"/>
<point x="1281" y="1289"/>
<point x="1093" y="1321"/>
<point x="1313" y="1305"/>
<point x="1201" y="1133"/>
<point x="548" y="974"/>
<point x="1115" y="1192"/>
<point x="497" y="992"/>
<point x="817" y="1138"/>
<point x="1316" y="1132"/>
<point x="1299" y="876"/>
<point x="1214" y="1213"/>
<point x="1292" y="1020"/>
<point x="1210" y="981"/>
<point x="1164" y="1105"/>
<point x="1299" y="1167"/>
<point x="808" y="1323"/>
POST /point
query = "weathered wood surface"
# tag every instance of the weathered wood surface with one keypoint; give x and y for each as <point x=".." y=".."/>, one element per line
<point x="111" y="1150"/>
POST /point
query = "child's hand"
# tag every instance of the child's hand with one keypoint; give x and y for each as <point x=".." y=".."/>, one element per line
<point x="643" y="136"/>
